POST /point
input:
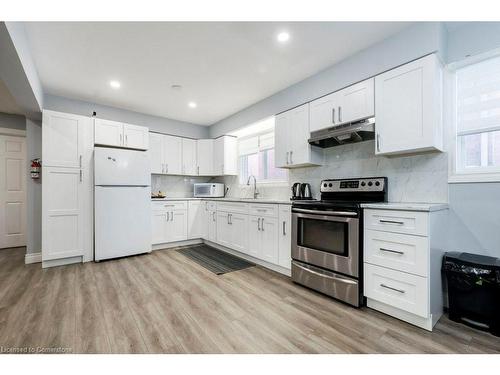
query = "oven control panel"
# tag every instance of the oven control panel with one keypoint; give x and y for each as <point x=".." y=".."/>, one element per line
<point x="354" y="184"/>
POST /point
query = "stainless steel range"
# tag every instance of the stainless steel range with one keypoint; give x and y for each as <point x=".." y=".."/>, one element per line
<point x="327" y="237"/>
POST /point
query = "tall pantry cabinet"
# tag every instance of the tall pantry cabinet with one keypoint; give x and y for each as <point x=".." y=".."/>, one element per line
<point x="67" y="185"/>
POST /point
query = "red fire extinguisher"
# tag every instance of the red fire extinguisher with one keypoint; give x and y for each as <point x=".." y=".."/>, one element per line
<point x="36" y="166"/>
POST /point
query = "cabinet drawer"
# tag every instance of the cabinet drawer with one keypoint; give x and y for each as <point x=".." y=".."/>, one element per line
<point x="401" y="252"/>
<point x="408" y="222"/>
<point x="398" y="289"/>
<point x="270" y="210"/>
<point x="170" y="205"/>
<point x="233" y="207"/>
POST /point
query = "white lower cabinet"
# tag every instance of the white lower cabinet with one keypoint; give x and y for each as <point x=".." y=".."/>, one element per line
<point x="263" y="238"/>
<point x="284" y="236"/>
<point x="403" y="252"/>
<point x="169" y="222"/>
<point x="197" y="219"/>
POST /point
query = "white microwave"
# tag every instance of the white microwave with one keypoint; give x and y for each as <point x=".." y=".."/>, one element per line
<point x="208" y="190"/>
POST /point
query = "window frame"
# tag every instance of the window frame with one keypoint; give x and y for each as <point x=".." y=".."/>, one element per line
<point x="456" y="174"/>
<point x="266" y="182"/>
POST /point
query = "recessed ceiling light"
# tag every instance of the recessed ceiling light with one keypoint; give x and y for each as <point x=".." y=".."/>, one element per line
<point x="176" y="87"/>
<point x="192" y="105"/>
<point x="283" y="37"/>
<point x="115" y="84"/>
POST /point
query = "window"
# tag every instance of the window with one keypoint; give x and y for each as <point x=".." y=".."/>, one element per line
<point x="478" y="118"/>
<point x="256" y="153"/>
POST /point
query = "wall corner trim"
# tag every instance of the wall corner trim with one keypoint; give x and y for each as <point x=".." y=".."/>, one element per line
<point x="33" y="258"/>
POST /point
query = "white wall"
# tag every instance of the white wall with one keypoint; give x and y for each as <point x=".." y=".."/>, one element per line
<point x="154" y="123"/>
<point x="34" y="189"/>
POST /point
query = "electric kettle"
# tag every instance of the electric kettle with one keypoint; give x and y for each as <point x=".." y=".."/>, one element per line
<point x="305" y="191"/>
<point x="296" y="191"/>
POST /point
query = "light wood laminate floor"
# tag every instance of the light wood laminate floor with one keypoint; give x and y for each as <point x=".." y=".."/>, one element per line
<point x="165" y="303"/>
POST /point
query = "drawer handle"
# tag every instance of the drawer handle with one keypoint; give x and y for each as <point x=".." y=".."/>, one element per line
<point x="392" y="222"/>
<point x="392" y="251"/>
<point x="391" y="288"/>
<point x="336" y="278"/>
<point x="261" y="210"/>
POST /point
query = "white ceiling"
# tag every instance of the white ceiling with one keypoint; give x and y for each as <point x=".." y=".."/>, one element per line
<point x="223" y="67"/>
<point x="7" y="102"/>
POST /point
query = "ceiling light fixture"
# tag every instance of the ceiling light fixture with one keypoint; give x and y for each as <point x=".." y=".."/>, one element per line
<point x="283" y="37"/>
<point x="176" y="87"/>
<point x="115" y="84"/>
<point x="192" y="105"/>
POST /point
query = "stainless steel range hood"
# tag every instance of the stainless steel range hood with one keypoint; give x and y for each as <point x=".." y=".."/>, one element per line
<point x="358" y="131"/>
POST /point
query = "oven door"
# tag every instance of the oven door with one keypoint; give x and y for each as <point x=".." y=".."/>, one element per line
<point x="326" y="239"/>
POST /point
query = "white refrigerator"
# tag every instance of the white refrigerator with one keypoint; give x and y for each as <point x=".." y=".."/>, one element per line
<point x="122" y="201"/>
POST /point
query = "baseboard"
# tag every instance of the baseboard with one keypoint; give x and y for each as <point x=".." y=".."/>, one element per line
<point x="260" y="262"/>
<point x="61" y="262"/>
<point x="170" y="245"/>
<point x="33" y="258"/>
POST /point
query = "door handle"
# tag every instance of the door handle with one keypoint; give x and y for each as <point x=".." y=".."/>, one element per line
<point x="231" y="219"/>
<point x="167" y="216"/>
<point x="340" y="114"/>
<point x="391" y="222"/>
<point x="213" y="216"/>
<point x="392" y="251"/>
<point x="81" y="175"/>
<point x="333" y="115"/>
<point x="262" y="224"/>
<point x="391" y="288"/>
<point x="166" y="168"/>
<point x="258" y="224"/>
<point x="284" y="228"/>
<point x="378" y="142"/>
<point x="80" y="161"/>
<point x="291" y="159"/>
<point x="171" y="215"/>
<point x="126" y="140"/>
<point x="121" y="139"/>
<point x="287" y="156"/>
<point x="198" y="169"/>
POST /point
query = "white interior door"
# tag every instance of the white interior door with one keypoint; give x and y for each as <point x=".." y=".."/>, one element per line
<point x="12" y="191"/>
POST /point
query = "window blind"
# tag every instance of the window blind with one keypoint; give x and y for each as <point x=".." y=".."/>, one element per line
<point x="254" y="144"/>
<point x="478" y="97"/>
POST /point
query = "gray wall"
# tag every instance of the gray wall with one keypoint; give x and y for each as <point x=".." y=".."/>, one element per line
<point x="12" y="121"/>
<point x="411" y="43"/>
<point x="154" y="123"/>
<point x="34" y="189"/>
<point x="474" y="207"/>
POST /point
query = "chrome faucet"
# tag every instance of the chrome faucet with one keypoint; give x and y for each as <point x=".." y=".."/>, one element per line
<point x="255" y="192"/>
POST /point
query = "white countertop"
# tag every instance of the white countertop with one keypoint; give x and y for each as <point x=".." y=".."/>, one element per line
<point x="241" y="200"/>
<point x="407" y="206"/>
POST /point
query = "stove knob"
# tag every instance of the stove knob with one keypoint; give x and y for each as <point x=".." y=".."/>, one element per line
<point x="377" y="183"/>
<point x="330" y="185"/>
<point x="370" y="183"/>
<point x="363" y="183"/>
<point x="324" y="185"/>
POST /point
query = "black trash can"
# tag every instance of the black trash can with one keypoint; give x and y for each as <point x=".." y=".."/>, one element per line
<point x="473" y="290"/>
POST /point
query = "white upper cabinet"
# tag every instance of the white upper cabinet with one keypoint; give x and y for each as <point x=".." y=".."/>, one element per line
<point x="353" y="103"/>
<point x="108" y="133"/>
<point x="356" y="102"/>
<point x="156" y="153"/>
<point x="205" y="156"/>
<point x="291" y="134"/>
<point x="225" y="156"/>
<point x="117" y="134"/>
<point x="189" y="159"/>
<point x="408" y="105"/>
<point x="63" y="139"/>
<point x="172" y="155"/>
<point x="136" y="137"/>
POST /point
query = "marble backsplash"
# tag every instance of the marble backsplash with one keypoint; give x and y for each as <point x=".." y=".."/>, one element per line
<point x="417" y="178"/>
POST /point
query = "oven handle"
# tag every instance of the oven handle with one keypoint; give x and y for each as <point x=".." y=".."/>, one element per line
<point x="327" y="213"/>
<point x="336" y="278"/>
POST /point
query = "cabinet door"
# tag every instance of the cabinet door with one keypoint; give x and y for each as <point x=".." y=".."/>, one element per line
<point x="269" y="233"/>
<point x="225" y="156"/>
<point x="63" y="139"/>
<point x="159" y="227"/>
<point x="63" y="216"/>
<point x="284" y="230"/>
<point x="189" y="162"/>
<point x="205" y="157"/>
<point x="223" y="232"/>
<point x="212" y="226"/>
<point x="172" y="154"/>
<point x="300" y="149"/>
<point x="177" y="226"/>
<point x="324" y="112"/>
<point x="282" y="140"/>
<point x="254" y="237"/>
<point x="156" y="153"/>
<point x="197" y="219"/>
<point x="356" y="102"/>
<point x="136" y="137"/>
<point x="239" y="232"/>
<point x="108" y="133"/>
<point x="408" y="104"/>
